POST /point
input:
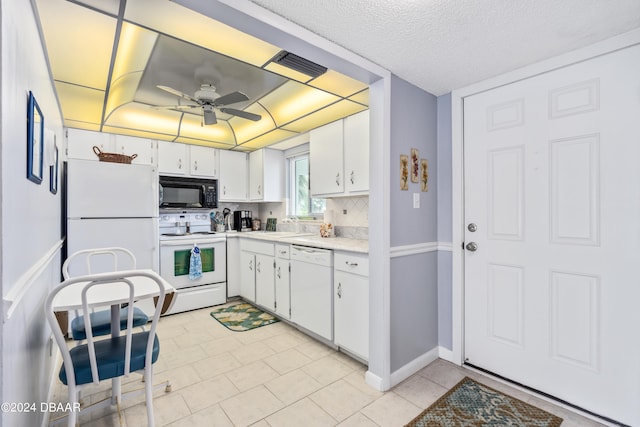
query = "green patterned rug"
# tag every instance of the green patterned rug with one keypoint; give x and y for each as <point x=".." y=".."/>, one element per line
<point x="242" y="317"/>
<point x="473" y="404"/>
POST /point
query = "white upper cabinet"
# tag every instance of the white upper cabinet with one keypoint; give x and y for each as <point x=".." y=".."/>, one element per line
<point x="203" y="161"/>
<point x="191" y="160"/>
<point x="356" y="153"/>
<point x="172" y="158"/>
<point x="326" y="159"/>
<point x="233" y="176"/>
<point x="339" y="157"/>
<point x="266" y="175"/>
<point x="80" y="145"/>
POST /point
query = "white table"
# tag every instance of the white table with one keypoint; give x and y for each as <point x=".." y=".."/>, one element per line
<point x="113" y="294"/>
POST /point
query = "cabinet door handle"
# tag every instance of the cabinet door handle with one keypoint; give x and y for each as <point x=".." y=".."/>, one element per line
<point x="195" y="165"/>
<point x="339" y="290"/>
<point x="224" y="190"/>
<point x="278" y="273"/>
<point x="351" y="264"/>
<point x="251" y="265"/>
<point x="258" y="267"/>
<point x="338" y="178"/>
<point x="259" y="190"/>
<point x="352" y="180"/>
<point x="179" y="163"/>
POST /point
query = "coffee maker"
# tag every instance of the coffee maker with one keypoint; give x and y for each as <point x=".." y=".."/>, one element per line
<point x="242" y="220"/>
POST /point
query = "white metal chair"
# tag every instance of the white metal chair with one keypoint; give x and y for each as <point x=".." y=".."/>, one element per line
<point x="95" y="261"/>
<point x="113" y="357"/>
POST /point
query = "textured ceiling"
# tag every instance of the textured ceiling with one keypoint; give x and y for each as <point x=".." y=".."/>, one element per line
<point x="441" y="45"/>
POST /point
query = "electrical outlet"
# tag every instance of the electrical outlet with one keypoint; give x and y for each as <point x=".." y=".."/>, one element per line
<point x="344" y="211"/>
<point x="416" y="200"/>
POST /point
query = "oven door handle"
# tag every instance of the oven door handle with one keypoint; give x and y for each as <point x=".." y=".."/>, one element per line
<point x="190" y="243"/>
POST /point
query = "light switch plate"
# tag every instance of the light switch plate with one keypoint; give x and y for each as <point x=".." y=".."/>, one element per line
<point x="416" y="200"/>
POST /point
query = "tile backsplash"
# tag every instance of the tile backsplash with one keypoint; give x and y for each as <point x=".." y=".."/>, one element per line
<point x="348" y="211"/>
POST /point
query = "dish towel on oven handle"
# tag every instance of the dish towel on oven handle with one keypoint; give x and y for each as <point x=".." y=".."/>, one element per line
<point x="195" y="263"/>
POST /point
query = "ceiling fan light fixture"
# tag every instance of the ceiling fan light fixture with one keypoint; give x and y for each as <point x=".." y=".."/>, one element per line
<point x="298" y="63"/>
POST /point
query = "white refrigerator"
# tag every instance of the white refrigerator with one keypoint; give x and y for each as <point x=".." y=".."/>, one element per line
<point x="113" y="204"/>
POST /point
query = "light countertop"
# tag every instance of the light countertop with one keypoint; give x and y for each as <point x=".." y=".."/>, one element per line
<point x="307" y="239"/>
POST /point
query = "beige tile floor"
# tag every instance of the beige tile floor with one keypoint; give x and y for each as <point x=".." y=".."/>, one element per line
<point x="275" y="376"/>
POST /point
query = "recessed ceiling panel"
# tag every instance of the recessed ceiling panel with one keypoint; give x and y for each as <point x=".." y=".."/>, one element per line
<point x="182" y="23"/>
<point x="122" y="91"/>
<point x="268" y="139"/>
<point x="191" y="127"/>
<point x="136" y="132"/>
<point x="246" y="129"/>
<point x="142" y="117"/>
<point x="80" y="104"/>
<point x="108" y="6"/>
<point x="204" y="143"/>
<point x="361" y="97"/>
<point x="82" y="125"/>
<point x="134" y="49"/>
<point x="293" y="100"/>
<point x="79" y="42"/>
<point x="184" y="67"/>
<point x="326" y="115"/>
<point x="337" y="83"/>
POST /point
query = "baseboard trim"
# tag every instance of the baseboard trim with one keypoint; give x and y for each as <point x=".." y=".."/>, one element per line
<point x="414" y="366"/>
<point x="375" y="381"/>
<point x="446" y="354"/>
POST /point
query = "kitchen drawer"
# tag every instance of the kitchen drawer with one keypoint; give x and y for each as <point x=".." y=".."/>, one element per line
<point x="257" y="246"/>
<point x="351" y="262"/>
<point x="282" y="251"/>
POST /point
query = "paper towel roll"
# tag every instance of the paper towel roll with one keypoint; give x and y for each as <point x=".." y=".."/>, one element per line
<point x="328" y="216"/>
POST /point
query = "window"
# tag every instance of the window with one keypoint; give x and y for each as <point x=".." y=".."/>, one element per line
<point x="301" y="203"/>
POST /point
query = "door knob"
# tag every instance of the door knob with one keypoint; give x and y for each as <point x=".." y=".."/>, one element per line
<point x="472" y="227"/>
<point x="472" y="246"/>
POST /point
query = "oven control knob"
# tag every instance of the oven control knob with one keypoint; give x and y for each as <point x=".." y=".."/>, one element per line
<point x="165" y="218"/>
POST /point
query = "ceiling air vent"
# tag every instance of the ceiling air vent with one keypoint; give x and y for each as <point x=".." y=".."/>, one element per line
<point x="298" y="63"/>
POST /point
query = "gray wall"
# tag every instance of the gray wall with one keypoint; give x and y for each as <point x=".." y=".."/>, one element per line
<point x="413" y="125"/>
<point x="413" y="293"/>
<point x="445" y="332"/>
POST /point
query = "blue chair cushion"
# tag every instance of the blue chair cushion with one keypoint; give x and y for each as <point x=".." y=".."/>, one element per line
<point x="110" y="357"/>
<point x="101" y="322"/>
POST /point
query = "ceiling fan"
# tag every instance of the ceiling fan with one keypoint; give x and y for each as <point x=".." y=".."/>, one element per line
<point x="208" y="99"/>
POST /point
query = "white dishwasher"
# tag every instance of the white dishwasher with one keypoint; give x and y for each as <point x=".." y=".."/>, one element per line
<point x="312" y="289"/>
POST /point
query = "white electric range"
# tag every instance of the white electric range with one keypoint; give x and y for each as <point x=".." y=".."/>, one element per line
<point x="180" y="232"/>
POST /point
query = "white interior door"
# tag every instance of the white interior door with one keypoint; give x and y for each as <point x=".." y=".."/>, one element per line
<point x="552" y="184"/>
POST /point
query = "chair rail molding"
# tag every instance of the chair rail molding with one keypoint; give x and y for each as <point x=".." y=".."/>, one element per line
<point x="420" y="248"/>
<point x="13" y="298"/>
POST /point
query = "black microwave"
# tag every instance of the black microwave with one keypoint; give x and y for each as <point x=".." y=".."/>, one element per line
<point x="188" y="193"/>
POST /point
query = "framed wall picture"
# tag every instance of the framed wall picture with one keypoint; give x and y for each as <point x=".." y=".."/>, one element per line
<point x="53" y="170"/>
<point x="404" y="172"/>
<point x="35" y="140"/>
<point x="424" y="175"/>
<point x="415" y="165"/>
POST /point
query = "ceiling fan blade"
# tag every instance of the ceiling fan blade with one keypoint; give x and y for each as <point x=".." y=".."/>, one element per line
<point x="209" y="115"/>
<point x="231" y="98"/>
<point x="174" y="107"/>
<point x="177" y="93"/>
<point x="240" y="113"/>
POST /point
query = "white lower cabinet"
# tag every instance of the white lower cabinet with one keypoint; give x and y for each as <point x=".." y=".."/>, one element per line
<point x="283" y="281"/>
<point x="265" y="281"/>
<point x="351" y="303"/>
<point x="248" y="276"/>
<point x="257" y="280"/>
